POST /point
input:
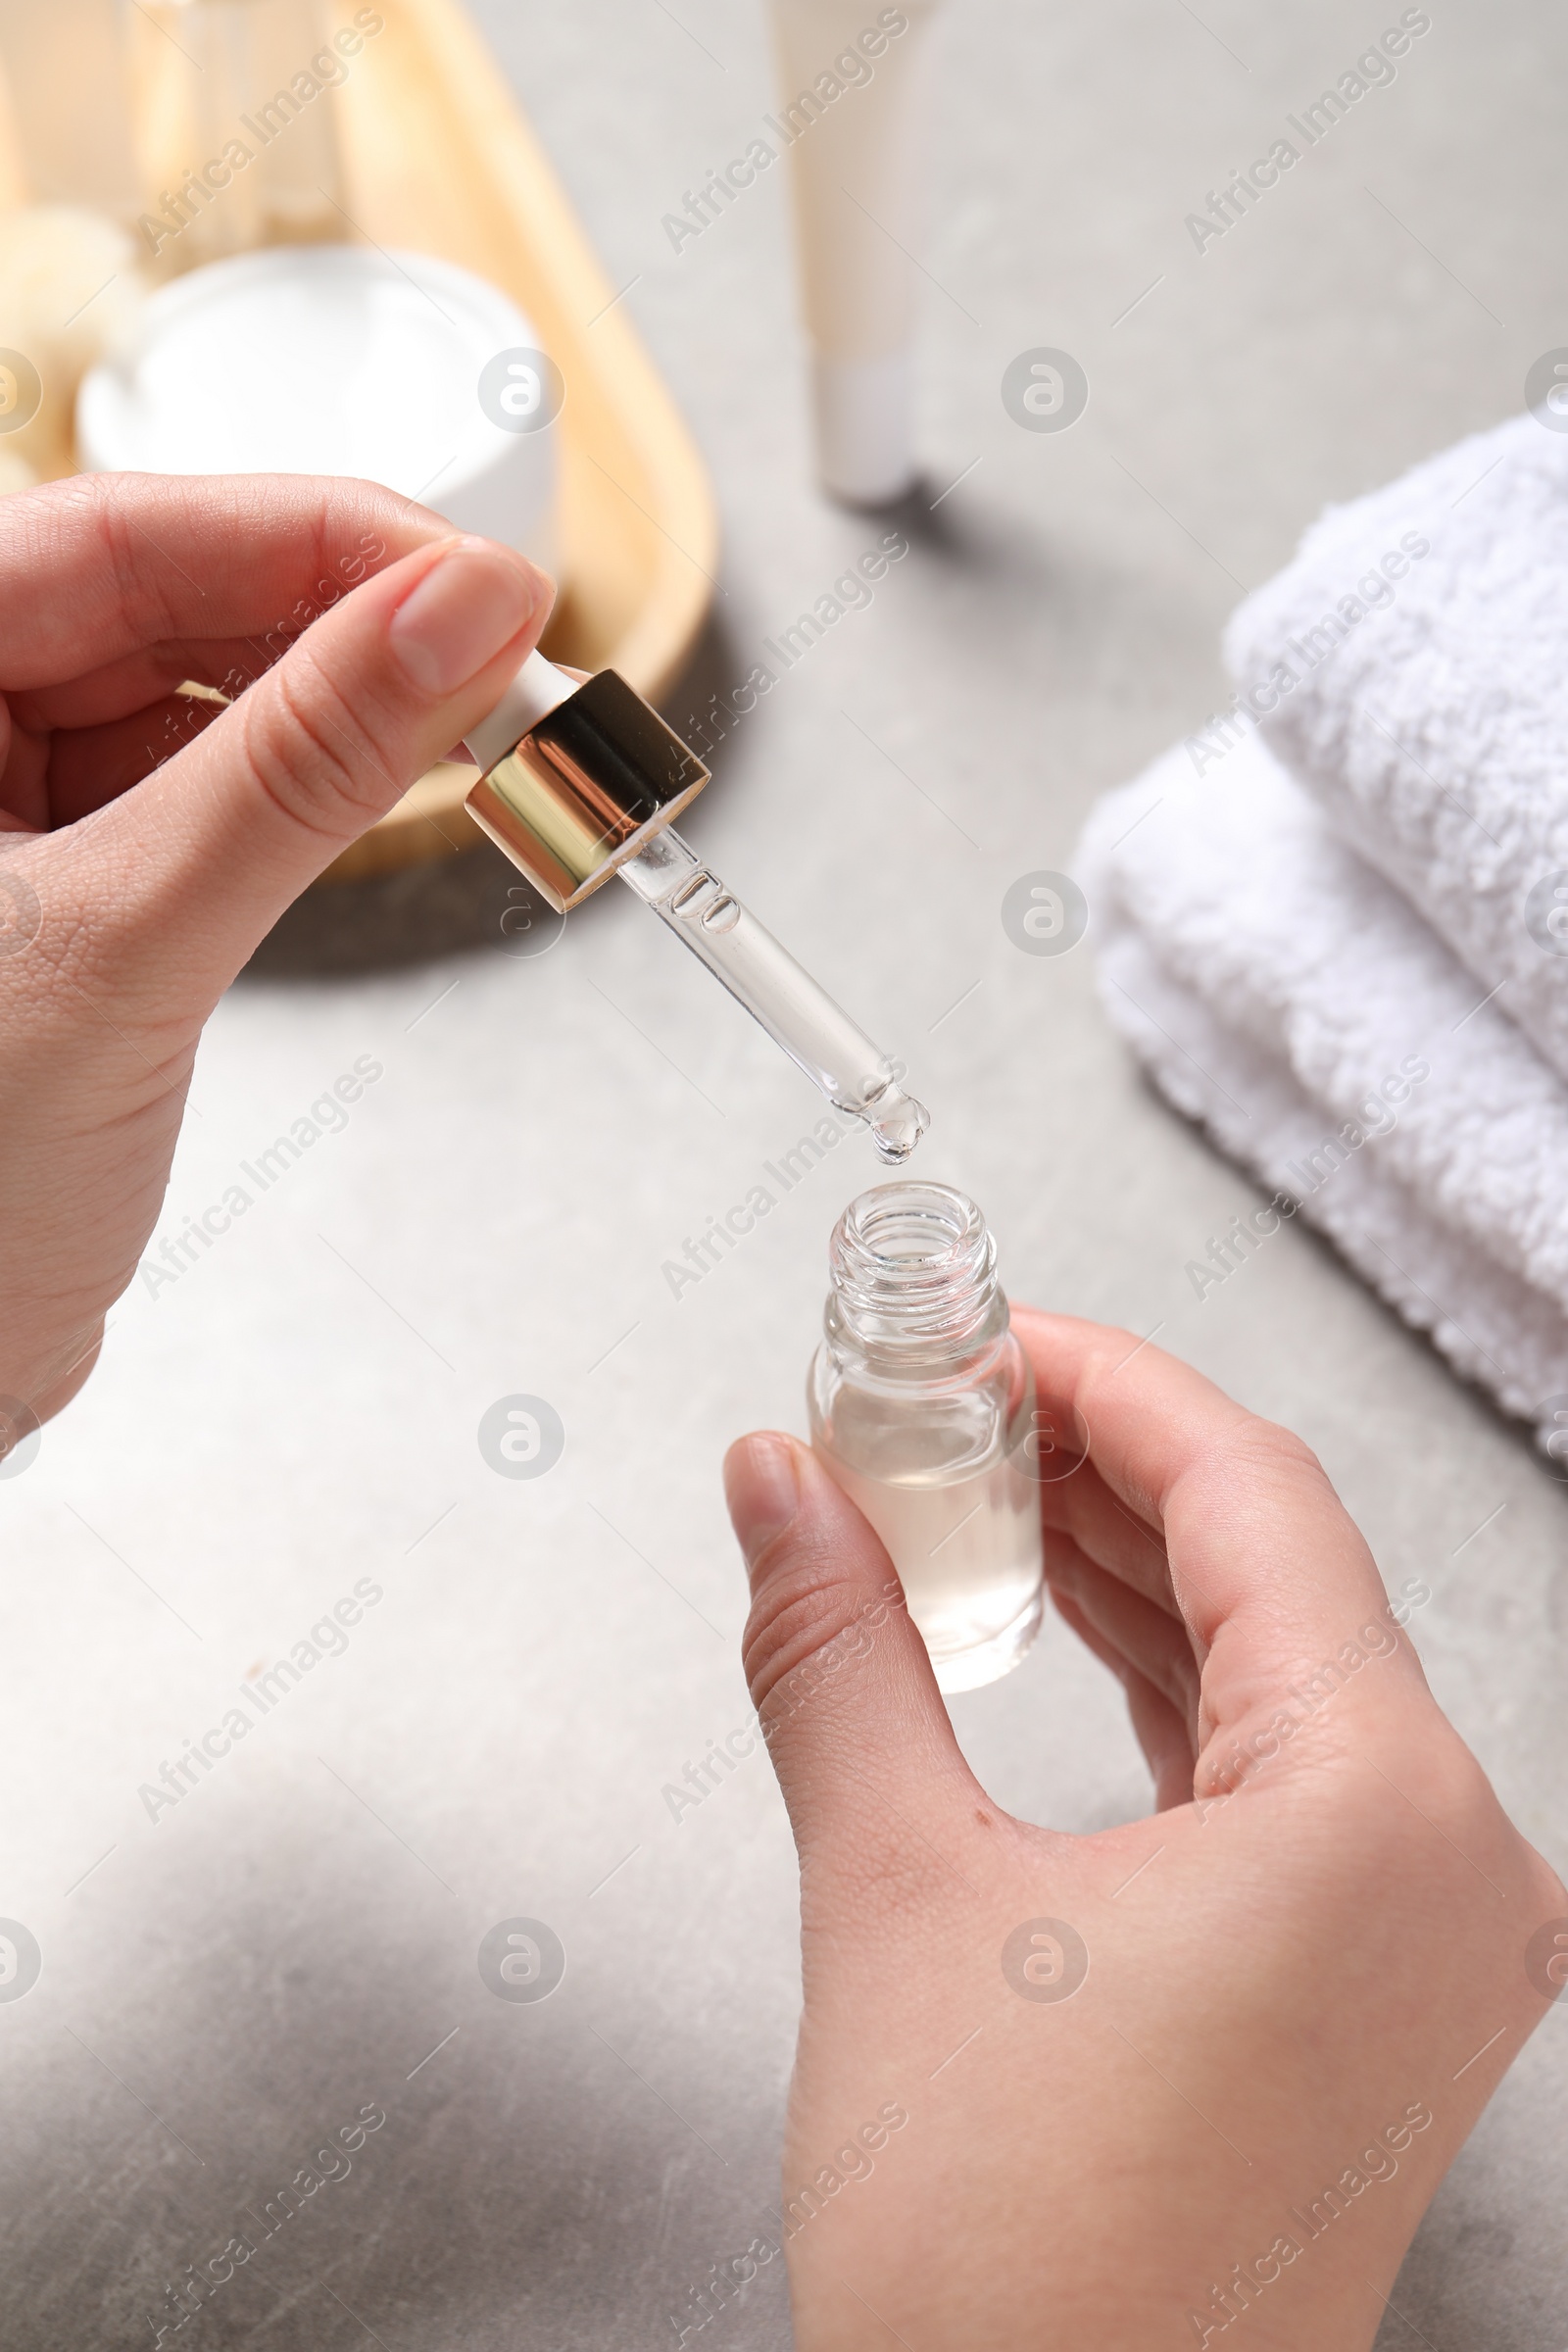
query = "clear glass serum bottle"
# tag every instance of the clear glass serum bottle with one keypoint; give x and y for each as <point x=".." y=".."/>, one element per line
<point x="923" y="1406"/>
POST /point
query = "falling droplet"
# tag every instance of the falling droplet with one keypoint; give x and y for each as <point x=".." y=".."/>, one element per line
<point x="897" y="1122"/>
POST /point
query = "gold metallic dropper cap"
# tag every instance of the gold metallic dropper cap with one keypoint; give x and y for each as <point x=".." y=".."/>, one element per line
<point x="583" y="790"/>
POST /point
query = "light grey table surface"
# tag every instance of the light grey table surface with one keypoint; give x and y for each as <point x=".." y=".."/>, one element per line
<point x="226" y="1985"/>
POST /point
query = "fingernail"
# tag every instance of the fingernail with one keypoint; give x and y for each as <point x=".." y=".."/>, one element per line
<point x="467" y="606"/>
<point x="762" y="1491"/>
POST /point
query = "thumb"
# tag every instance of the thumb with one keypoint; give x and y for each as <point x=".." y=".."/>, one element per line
<point x="221" y="839"/>
<point x="839" y="1674"/>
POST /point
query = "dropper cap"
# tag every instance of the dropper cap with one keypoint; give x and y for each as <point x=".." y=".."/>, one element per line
<point x="578" y="778"/>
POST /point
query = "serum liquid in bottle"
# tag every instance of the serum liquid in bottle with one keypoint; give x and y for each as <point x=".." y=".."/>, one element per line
<point x="923" y="1406"/>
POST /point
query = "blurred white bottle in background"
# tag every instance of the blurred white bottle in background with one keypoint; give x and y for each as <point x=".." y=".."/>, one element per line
<point x="855" y="117"/>
<point x="236" y="122"/>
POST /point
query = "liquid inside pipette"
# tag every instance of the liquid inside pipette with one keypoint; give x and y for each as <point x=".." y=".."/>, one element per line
<point x="834" y="1052"/>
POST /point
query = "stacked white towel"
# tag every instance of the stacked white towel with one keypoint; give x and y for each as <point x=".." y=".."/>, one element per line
<point x="1387" y="1057"/>
<point x="1434" y="734"/>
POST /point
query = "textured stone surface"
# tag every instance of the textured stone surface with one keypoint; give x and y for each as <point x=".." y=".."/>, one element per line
<point x="300" y="1410"/>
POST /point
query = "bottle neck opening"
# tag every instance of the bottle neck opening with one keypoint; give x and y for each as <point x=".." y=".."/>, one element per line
<point x="914" y="1269"/>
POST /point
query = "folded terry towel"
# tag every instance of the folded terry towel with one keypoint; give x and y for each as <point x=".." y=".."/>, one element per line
<point x="1410" y="667"/>
<point x="1281" y="992"/>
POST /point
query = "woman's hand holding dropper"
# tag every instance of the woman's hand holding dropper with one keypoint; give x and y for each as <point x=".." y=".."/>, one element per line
<point x="149" y="841"/>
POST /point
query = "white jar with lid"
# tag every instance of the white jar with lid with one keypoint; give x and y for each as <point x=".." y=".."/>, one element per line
<point x="338" y="359"/>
